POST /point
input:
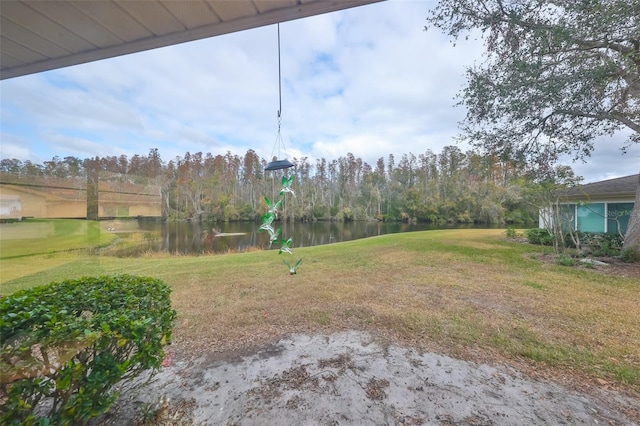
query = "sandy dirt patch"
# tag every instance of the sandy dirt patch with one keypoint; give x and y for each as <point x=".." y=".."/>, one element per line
<point x="349" y="378"/>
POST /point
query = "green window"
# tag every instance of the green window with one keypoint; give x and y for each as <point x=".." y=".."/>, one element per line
<point x="618" y="217"/>
<point x="568" y="216"/>
<point x="591" y="217"/>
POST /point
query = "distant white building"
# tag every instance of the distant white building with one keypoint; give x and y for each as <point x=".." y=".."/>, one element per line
<point x="603" y="206"/>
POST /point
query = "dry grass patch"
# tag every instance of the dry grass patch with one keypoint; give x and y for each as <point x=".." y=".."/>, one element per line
<point x="426" y="297"/>
<point x="468" y="293"/>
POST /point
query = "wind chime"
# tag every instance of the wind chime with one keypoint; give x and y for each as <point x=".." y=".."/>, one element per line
<point x="273" y="206"/>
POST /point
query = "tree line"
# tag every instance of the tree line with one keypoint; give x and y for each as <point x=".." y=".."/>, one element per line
<point x="451" y="186"/>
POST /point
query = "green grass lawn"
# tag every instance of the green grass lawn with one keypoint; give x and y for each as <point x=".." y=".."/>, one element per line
<point x="468" y="293"/>
<point x="39" y="236"/>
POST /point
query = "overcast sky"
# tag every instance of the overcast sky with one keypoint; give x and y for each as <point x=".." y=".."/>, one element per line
<point x="368" y="80"/>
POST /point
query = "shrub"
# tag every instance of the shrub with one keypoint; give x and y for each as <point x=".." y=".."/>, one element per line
<point x="345" y="215"/>
<point x="65" y="344"/>
<point x="599" y="243"/>
<point x="510" y="232"/>
<point x="319" y="211"/>
<point x="464" y="218"/>
<point x="359" y="213"/>
<point x="630" y="255"/>
<point x="539" y="236"/>
<point x="564" y="260"/>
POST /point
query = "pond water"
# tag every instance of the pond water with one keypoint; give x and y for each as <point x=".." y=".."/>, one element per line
<point x="145" y="235"/>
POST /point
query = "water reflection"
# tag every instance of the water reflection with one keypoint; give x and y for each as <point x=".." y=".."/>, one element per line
<point x="198" y="238"/>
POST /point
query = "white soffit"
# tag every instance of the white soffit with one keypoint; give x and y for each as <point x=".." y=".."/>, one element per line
<point x="40" y="35"/>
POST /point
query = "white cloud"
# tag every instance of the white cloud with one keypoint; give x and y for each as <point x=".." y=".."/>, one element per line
<point x="83" y="148"/>
<point x="15" y="147"/>
<point x="607" y="160"/>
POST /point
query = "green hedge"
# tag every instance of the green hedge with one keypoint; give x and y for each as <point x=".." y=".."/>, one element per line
<point x="65" y="344"/>
<point x="539" y="236"/>
<point x="599" y="243"/>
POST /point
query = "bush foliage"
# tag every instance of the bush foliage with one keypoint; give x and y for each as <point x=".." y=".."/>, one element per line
<point x="598" y="243"/>
<point x="539" y="236"/>
<point x="65" y="344"/>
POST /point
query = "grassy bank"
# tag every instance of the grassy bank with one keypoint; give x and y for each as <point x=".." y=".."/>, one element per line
<point x="469" y="293"/>
<point x="40" y="236"/>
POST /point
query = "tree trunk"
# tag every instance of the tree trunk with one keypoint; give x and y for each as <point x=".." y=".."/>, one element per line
<point x="632" y="237"/>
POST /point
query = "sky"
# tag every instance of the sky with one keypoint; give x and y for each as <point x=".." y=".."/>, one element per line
<point x="368" y="81"/>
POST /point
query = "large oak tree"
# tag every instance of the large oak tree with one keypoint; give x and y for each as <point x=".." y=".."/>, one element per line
<point x="558" y="74"/>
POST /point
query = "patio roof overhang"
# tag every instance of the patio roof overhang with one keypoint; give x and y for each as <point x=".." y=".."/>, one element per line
<point x="41" y="35"/>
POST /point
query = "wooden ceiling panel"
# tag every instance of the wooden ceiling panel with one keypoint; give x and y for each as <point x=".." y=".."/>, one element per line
<point x="36" y="43"/>
<point x="154" y="16"/>
<point x="231" y="10"/>
<point x="192" y="14"/>
<point x="112" y="16"/>
<point x="74" y="20"/>
<point x="264" y="6"/>
<point x="9" y="61"/>
<point x="19" y="52"/>
<point x="21" y="14"/>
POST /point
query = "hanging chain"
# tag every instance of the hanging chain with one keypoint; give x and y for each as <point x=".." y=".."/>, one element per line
<point x="279" y="143"/>
<point x="279" y="80"/>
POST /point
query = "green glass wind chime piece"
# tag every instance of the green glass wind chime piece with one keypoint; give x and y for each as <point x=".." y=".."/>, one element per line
<point x="274" y="234"/>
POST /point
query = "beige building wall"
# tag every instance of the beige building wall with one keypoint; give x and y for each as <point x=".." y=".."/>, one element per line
<point x="67" y="198"/>
<point x="32" y="205"/>
<point x="67" y="209"/>
<point x="110" y="209"/>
